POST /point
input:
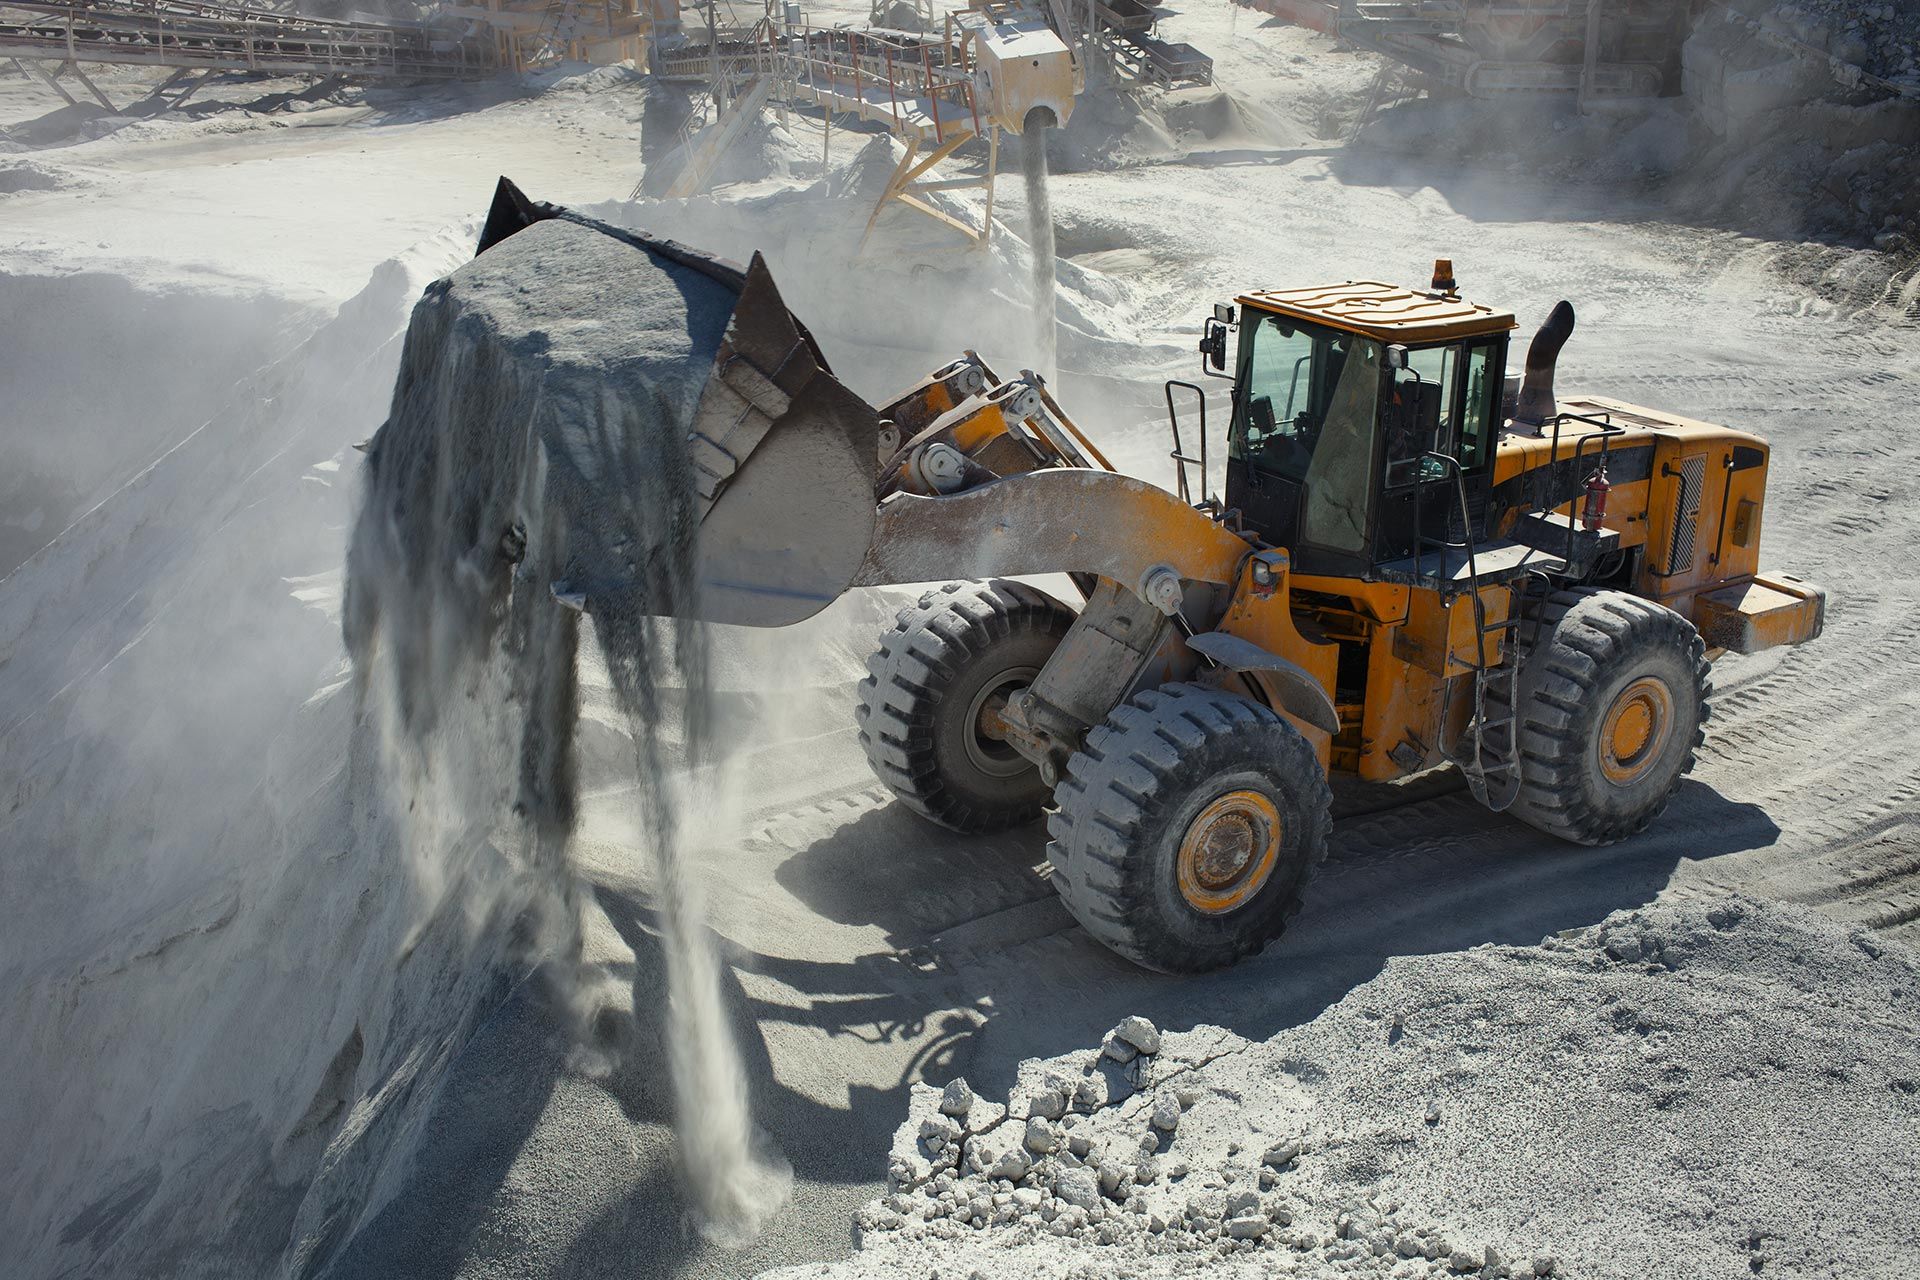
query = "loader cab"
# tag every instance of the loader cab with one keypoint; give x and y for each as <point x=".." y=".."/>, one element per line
<point x="1357" y="412"/>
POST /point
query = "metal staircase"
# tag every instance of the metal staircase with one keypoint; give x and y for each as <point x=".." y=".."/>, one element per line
<point x="1545" y="544"/>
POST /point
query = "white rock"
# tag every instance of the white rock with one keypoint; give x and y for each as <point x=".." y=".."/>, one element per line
<point x="1117" y="1049"/>
<point x="998" y="1154"/>
<point x="937" y="1131"/>
<point x="1248" y="1227"/>
<point x="1078" y="1187"/>
<point x="1166" y="1113"/>
<point x="1040" y="1136"/>
<point x="1139" y="1033"/>
<point x="956" y="1099"/>
<point x="1281" y="1154"/>
<point x="1050" y="1102"/>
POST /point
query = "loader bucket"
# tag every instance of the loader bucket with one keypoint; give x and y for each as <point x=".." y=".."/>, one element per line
<point x="780" y="456"/>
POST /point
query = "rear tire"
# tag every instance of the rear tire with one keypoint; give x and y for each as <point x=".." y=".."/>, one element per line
<point x="1613" y="702"/>
<point x="927" y="704"/>
<point x="1187" y="828"/>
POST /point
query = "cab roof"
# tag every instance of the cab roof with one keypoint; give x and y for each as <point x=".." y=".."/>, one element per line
<point x="1386" y="312"/>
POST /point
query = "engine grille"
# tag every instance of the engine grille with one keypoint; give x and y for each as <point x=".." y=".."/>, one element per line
<point x="1686" y="514"/>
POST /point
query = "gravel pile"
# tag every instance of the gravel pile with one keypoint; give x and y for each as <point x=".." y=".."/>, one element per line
<point x="1881" y="39"/>
<point x="1711" y="1089"/>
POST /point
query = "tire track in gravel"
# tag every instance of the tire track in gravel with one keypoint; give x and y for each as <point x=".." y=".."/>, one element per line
<point x="1873" y="882"/>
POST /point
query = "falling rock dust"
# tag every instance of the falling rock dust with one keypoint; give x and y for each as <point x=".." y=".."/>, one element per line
<point x="1040" y="238"/>
<point x="534" y="456"/>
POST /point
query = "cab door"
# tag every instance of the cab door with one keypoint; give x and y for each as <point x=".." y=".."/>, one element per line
<point x="1420" y="495"/>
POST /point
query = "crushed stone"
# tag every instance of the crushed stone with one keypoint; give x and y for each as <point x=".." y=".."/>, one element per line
<point x="1621" y="1066"/>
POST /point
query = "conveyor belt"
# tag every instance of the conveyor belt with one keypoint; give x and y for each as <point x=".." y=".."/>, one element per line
<point x="179" y="33"/>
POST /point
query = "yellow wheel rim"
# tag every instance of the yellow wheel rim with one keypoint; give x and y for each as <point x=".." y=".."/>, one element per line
<point x="1228" y="852"/>
<point x="1635" y="730"/>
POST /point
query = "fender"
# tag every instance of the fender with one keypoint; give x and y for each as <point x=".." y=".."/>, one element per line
<point x="1299" y="693"/>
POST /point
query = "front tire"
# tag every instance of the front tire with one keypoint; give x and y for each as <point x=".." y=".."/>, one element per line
<point x="1187" y="828"/>
<point x="1613" y="697"/>
<point x="931" y="700"/>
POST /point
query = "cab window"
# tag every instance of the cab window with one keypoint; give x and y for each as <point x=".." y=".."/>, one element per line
<point x="1476" y="414"/>
<point x="1459" y="375"/>
<point x="1304" y="411"/>
<point x="1430" y="375"/>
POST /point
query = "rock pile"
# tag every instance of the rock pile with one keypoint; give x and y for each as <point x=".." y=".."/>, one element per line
<point x="1881" y="39"/>
<point x="1130" y="1145"/>
<point x="1716" y="1088"/>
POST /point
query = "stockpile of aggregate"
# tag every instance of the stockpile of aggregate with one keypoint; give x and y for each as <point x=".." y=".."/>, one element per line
<point x="1717" y="1088"/>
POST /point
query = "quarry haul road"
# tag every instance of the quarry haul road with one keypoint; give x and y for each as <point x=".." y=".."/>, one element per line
<point x="873" y="948"/>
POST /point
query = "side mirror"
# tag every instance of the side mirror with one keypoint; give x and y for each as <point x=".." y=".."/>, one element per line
<point x="1213" y="346"/>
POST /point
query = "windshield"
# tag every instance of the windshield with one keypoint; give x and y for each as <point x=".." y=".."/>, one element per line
<point x="1305" y="413"/>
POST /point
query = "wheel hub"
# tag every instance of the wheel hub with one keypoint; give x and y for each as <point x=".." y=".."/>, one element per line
<point x="1228" y="852"/>
<point x="1635" y="730"/>
<point x="986" y="738"/>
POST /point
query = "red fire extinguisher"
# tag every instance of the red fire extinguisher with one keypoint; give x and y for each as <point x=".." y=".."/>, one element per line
<point x="1595" y="512"/>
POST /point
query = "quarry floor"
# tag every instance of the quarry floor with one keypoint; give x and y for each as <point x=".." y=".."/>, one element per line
<point x="867" y="950"/>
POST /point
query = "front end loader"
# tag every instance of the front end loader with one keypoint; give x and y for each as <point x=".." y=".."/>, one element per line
<point x="1415" y="562"/>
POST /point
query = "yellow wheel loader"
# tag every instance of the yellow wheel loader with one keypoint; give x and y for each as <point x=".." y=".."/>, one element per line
<point x="1414" y="561"/>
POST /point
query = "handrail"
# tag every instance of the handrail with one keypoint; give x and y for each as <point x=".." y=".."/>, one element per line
<point x="1179" y="454"/>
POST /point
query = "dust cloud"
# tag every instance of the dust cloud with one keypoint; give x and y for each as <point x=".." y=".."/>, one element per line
<point x="533" y="457"/>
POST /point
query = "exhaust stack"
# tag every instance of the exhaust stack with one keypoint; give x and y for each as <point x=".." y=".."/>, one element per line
<point x="1536" y="406"/>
